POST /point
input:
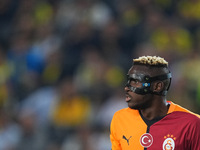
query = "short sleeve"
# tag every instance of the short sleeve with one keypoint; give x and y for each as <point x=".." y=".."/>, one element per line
<point x="113" y="135"/>
<point x="194" y="135"/>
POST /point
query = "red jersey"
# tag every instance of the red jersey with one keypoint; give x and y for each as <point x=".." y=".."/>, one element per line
<point x="178" y="130"/>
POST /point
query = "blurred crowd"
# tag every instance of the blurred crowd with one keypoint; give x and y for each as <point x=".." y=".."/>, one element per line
<point x="63" y="65"/>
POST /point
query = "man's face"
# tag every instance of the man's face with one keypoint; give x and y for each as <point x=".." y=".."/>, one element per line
<point x="137" y="101"/>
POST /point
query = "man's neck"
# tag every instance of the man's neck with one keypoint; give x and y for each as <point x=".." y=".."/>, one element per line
<point x="158" y="108"/>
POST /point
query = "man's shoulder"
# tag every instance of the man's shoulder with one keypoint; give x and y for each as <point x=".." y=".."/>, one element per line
<point x="185" y="116"/>
<point x="126" y="112"/>
<point x="177" y="108"/>
<point x="183" y="121"/>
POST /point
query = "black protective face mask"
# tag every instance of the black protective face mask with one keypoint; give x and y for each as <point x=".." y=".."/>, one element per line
<point x="146" y="83"/>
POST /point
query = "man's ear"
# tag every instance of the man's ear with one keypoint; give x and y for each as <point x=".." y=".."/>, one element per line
<point x="158" y="86"/>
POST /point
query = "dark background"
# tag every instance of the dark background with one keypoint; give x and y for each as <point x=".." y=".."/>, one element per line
<point x="63" y="65"/>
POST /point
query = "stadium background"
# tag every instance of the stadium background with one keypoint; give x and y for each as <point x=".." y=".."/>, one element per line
<point x="63" y="65"/>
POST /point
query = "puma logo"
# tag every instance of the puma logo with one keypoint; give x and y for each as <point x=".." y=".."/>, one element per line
<point x="126" y="139"/>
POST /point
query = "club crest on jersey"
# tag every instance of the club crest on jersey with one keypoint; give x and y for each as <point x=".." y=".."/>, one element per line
<point x="169" y="142"/>
<point x="146" y="140"/>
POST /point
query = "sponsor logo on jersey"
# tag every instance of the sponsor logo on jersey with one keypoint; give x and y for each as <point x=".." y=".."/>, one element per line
<point x="169" y="142"/>
<point x="146" y="140"/>
<point x="127" y="139"/>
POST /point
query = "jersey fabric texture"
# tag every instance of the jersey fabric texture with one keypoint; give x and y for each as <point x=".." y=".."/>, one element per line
<point x="178" y="130"/>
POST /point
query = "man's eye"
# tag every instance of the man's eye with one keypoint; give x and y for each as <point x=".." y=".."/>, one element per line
<point x="134" y="81"/>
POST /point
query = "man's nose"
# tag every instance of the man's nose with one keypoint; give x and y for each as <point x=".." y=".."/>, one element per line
<point x="126" y="88"/>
